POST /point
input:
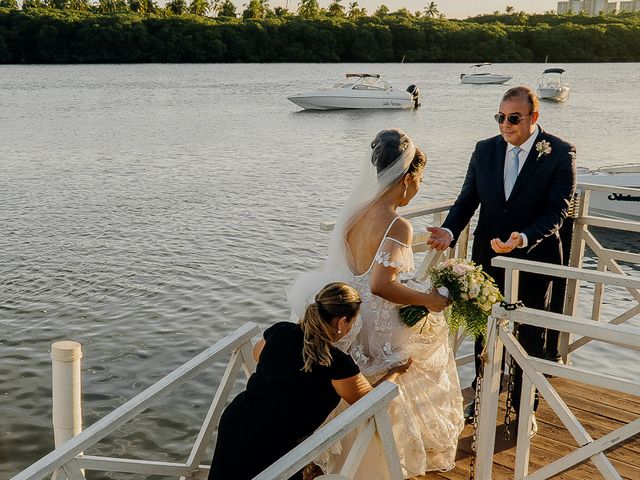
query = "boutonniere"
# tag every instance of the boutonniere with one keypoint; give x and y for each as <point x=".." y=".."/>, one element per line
<point x="543" y="148"/>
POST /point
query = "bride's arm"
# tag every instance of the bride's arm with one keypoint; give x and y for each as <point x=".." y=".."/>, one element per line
<point x="385" y="284"/>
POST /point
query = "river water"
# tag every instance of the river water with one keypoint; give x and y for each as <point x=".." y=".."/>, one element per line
<point x="146" y="211"/>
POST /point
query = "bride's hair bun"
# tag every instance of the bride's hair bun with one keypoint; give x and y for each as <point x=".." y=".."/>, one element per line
<point x="387" y="147"/>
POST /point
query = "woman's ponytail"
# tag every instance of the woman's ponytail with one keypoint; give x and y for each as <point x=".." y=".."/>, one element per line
<point x="335" y="300"/>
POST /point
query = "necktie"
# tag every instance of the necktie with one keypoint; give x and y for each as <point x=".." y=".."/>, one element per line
<point x="511" y="172"/>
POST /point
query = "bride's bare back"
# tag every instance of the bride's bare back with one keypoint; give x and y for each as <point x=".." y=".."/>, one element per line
<point x="365" y="236"/>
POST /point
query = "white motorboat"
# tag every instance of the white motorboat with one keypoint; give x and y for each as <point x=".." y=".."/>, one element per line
<point x="359" y="90"/>
<point x="481" y="75"/>
<point x="610" y="204"/>
<point x="553" y="85"/>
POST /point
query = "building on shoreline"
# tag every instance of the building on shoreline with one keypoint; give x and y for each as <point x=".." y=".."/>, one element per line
<point x="630" y="6"/>
<point x="572" y="6"/>
<point x="597" y="7"/>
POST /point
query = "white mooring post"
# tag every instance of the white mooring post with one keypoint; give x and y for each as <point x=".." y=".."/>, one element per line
<point x="67" y="388"/>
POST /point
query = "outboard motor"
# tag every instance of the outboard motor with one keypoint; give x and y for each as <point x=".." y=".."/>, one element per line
<point x="415" y="93"/>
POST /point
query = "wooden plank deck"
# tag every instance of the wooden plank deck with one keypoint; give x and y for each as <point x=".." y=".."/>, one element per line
<point x="600" y="411"/>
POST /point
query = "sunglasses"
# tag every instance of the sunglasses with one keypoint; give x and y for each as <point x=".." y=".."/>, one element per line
<point x="513" y="119"/>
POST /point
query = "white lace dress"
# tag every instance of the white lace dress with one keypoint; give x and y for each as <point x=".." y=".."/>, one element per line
<point x="427" y="416"/>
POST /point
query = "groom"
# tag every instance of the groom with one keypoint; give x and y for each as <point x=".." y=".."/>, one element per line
<point x="523" y="181"/>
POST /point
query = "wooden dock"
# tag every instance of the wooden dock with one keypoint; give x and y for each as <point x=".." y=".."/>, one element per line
<point x="600" y="411"/>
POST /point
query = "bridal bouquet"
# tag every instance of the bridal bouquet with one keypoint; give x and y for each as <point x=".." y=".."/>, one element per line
<point x="472" y="291"/>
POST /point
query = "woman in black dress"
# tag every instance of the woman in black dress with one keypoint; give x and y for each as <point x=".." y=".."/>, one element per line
<point x="299" y="380"/>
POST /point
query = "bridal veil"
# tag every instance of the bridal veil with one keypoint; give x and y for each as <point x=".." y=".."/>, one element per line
<point x="372" y="182"/>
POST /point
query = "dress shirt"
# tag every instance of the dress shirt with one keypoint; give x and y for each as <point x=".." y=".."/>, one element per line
<point x="525" y="149"/>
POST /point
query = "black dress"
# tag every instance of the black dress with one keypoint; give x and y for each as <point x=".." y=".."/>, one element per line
<point x="281" y="406"/>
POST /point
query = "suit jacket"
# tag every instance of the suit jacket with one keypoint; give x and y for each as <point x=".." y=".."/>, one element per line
<point x="537" y="206"/>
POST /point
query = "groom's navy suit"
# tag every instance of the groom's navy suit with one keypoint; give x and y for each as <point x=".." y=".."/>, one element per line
<point x="536" y="207"/>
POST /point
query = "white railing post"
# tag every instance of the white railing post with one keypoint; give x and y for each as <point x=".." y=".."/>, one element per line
<point x="576" y="255"/>
<point x="67" y="390"/>
<point x="489" y="393"/>
<point x="523" y="444"/>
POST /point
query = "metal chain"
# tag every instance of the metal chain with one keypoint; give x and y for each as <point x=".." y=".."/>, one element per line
<point x="506" y="434"/>
<point x="476" y="410"/>
<point x="476" y="401"/>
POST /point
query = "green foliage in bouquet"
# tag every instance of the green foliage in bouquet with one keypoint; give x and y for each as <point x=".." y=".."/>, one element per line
<point x="468" y="316"/>
<point x="472" y="291"/>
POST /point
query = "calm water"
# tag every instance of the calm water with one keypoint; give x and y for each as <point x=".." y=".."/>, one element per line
<point x="146" y="211"/>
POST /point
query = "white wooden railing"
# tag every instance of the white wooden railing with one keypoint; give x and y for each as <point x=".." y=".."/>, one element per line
<point x="67" y="461"/>
<point x="534" y="370"/>
<point x="607" y="260"/>
<point x="369" y="414"/>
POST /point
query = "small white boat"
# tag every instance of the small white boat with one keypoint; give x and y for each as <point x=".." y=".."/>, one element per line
<point x="359" y="90"/>
<point x="614" y="205"/>
<point x="553" y="85"/>
<point x="480" y="76"/>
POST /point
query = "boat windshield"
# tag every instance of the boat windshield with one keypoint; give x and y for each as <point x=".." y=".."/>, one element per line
<point x="552" y="79"/>
<point x="363" y="81"/>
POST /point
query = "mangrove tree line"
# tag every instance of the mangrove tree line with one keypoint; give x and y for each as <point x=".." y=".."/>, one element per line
<point x="128" y="31"/>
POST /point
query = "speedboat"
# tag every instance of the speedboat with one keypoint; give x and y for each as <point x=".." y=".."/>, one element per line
<point x="481" y="75"/>
<point x="553" y="85"/>
<point x="359" y="90"/>
<point x="610" y="204"/>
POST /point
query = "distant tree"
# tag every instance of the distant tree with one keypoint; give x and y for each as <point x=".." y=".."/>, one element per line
<point x="227" y="9"/>
<point x="199" y="7"/>
<point x="355" y="11"/>
<point x="382" y="11"/>
<point x="110" y="6"/>
<point x="281" y="12"/>
<point x="214" y="7"/>
<point x="308" y="8"/>
<point x="106" y="6"/>
<point x="11" y="4"/>
<point x="522" y="18"/>
<point x="150" y="6"/>
<point x="431" y="10"/>
<point x="256" y="9"/>
<point x="336" y="9"/>
<point x="176" y="7"/>
<point x="80" y="5"/>
<point x="403" y="12"/>
<point x="138" y="6"/>
<point x="509" y="9"/>
<point x="28" y="4"/>
<point x="58" y="4"/>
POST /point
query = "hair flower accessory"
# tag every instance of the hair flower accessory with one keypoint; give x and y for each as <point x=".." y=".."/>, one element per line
<point x="543" y="148"/>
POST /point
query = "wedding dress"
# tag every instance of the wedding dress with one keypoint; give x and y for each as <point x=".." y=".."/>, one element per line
<point x="427" y="415"/>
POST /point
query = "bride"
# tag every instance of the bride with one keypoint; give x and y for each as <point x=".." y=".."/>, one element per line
<point x="370" y="248"/>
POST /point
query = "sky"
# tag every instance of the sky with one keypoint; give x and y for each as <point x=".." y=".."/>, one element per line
<point x="450" y="8"/>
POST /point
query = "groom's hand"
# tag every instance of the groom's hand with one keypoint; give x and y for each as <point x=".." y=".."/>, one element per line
<point x="439" y="239"/>
<point x="515" y="240"/>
